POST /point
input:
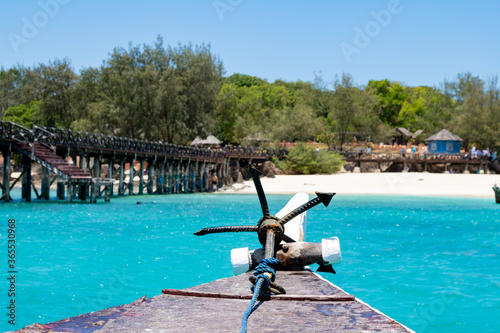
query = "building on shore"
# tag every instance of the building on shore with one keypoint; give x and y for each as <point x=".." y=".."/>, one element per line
<point x="403" y="136"/>
<point x="444" y="142"/>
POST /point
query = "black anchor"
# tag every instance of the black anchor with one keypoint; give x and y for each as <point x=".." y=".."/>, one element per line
<point x="270" y="228"/>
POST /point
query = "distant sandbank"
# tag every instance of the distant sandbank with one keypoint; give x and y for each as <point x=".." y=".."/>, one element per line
<point x="476" y="185"/>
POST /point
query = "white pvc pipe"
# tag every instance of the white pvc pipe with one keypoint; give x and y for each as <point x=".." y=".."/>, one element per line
<point x="330" y="250"/>
<point x="240" y="259"/>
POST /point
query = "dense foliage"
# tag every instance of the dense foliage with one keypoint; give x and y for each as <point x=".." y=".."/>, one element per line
<point x="176" y="93"/>
<point x="152" y="93"/>
<point x="303" y="159"/>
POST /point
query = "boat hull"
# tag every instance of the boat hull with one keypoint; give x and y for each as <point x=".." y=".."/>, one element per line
<point x="314" y="305"/>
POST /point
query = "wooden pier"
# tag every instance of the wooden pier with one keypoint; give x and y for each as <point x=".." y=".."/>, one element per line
<point x="75" y="161"/>
<point x="311" y="304"/>
<point x="436" y="163"/>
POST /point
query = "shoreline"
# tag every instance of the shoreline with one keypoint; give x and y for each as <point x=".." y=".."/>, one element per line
<point x="389" y="183"/>
<point x="426" y="184"/>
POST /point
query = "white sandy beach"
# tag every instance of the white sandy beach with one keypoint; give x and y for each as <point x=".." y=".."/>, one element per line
<point x="477" y="185"/>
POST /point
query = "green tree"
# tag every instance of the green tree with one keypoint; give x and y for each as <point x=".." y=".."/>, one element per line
<point x="353" y="108"/>
<point x="57" y="84"/>
<point x="24" y="115"/>
<point x="298" y="123"/>
<point x="491" y="116"/>
<point x="307" y="160"/>
<point x="101" y="117"/>
<point x="427" y="109"/>
<point x="391" y="97"/>
<point x="243" y="80"/>
<point x="247" y="111"/>
<point x="201" y="74"/>
<point x="171" y="107"/>
<point x="227" y="107"/>
<point x="476" y="115"/>
<point x="7" y="89"/>
<point x="19" y="85"/>
<point x="152" y="93"/>
<point x="468" y="92"/>
<point x="299" y="92"/>
<point x="121" y="77"/>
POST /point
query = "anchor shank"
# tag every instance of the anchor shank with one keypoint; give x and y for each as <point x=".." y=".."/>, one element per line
<point x="269" y="252"/>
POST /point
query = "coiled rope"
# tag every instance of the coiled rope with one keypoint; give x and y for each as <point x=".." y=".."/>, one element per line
<point x="261" y="286"/>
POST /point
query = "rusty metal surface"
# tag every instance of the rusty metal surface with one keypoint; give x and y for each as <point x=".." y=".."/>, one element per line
<point x="171" y="313"/>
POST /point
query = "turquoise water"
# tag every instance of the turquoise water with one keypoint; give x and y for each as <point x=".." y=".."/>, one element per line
<point x="430" y="263"/>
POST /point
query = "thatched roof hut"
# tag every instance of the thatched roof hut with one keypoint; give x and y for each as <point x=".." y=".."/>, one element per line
<point x="209" y="141"/>
<point x="402" y="135"/>
<point x="444" y="135"/>
<point x="444" y="142"/>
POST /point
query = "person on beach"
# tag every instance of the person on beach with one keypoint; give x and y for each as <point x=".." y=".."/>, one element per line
<point x="369" y="151"/>
<point x="486" y="154"/>
<point x="360" y="153"/>
<point x="214" y="182"/>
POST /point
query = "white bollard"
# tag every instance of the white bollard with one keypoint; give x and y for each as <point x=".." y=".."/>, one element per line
<point x="240" y="260"/>
<point x="330" y="250"/>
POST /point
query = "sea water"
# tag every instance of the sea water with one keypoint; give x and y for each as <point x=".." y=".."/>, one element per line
<point x="431" y="263"/>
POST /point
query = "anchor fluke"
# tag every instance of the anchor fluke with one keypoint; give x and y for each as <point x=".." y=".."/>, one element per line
<point x="325" y="197"/>
<point x="325" y="268"/>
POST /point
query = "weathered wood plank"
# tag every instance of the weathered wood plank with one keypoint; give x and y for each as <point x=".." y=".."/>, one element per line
<point x="321" y="298"/>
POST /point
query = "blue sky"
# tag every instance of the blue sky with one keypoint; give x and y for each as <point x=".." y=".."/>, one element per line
<point x="414" y="42"/>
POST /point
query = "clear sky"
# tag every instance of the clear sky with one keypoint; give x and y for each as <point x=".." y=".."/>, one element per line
<point x="414" y="42"/>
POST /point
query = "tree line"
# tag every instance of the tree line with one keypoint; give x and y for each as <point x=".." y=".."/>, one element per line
<point x="174" y="94"/>
<point x="150" y="92"/>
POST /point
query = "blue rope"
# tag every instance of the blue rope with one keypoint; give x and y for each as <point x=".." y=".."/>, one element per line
<point x="261" y="286"/>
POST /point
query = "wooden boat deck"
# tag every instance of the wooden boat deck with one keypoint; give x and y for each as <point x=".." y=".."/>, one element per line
<point x="205" y="311"/>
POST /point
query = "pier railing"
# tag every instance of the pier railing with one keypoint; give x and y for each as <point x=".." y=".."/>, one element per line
<point x="53" y="137"/>
<point x="18" y="133"/>
<point x="44" y="137"/>
<point x="354" y="156"/>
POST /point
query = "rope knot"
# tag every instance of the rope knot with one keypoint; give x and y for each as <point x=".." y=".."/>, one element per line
<point x="266" y="266"/>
